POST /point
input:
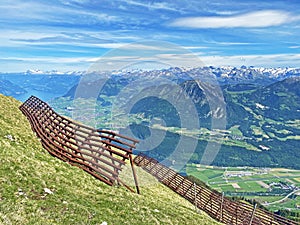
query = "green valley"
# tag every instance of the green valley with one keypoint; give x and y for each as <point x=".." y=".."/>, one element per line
<point x="273" y="188"/>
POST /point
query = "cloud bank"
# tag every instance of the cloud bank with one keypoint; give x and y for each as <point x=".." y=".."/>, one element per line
<point x="266" y="18"/>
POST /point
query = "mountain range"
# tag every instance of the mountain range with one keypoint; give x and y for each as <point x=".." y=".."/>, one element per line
<point x="261" y="107"/>
<point x="262" y="124"/>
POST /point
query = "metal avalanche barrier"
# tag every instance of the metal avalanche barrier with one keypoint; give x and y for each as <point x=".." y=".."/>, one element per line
<point x="212" y="202"/>
<point x="101" y="153"/>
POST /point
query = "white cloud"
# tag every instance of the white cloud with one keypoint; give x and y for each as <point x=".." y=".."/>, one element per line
<point x="130" y="46"/>
<point x="45" y="11"/>
<point x="195" y="47"/>
<point x="74" y="1"/>
<point x="49" y="60"/>
<point x="270" y="60"/>
<point x="294" y="47"/>
<point x="154" y="5"/>
<point x="265" y="18"/>
<point x="223" y="13"/>
<point x="226" y="43"/>
<point x="72" y="38"/>
<point x="21" y="64"/>
<point x="31" y="34"/>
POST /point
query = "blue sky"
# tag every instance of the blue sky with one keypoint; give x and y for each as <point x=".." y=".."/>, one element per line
<point x="68" y="35"/>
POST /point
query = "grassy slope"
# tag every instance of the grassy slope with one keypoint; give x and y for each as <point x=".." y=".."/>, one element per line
<point x="26" y="169"/>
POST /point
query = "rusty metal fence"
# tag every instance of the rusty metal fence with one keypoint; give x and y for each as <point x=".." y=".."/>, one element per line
<point x="101" y="153"/>
<point x="212" y="202"/>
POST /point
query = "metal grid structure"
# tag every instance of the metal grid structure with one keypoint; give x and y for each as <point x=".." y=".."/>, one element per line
<point x="212" y="202"/>
<point x="101" y="153"/>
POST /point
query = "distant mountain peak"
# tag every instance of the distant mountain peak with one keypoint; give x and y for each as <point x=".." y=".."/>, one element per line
<point x="34" y="71"/>
<point x="52" y="72"/>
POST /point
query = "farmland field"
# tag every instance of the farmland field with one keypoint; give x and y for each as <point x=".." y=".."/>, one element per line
<point x="275" y="188"/>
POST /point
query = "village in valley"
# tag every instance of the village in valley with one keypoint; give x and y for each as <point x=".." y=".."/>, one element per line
<point x="272" y="187"/>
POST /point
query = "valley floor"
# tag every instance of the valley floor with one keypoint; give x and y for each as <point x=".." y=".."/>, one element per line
<point x="274" y="188"/>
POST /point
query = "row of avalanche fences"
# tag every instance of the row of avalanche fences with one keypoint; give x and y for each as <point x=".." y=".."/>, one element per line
<point x="103" y="153"/>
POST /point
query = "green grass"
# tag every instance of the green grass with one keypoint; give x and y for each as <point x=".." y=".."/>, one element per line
<point x="204" y="174"/>
<point x="236" y="131"/>
<point x="226" y="187"/>
<point x="251" y="185"/>
<point x="26" y="169"/>
<point x="258" y="131"/>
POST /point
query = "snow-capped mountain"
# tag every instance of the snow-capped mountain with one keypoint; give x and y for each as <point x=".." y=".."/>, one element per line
<point x="224" y="74"/>
<point x="52" y="72"/>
